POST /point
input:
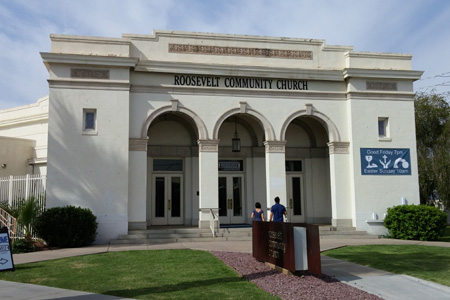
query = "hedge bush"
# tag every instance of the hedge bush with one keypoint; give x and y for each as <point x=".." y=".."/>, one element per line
<point x="67" y="226"/>
<point x="415" y="222"/>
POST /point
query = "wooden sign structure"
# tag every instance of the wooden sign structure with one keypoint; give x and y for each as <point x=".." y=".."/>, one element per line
<point x="6" y="260"/>
<point x="282" y="244"/>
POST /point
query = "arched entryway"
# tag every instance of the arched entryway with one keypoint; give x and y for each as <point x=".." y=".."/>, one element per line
<point x="307" y="171"/>
<point x="172" y="172"/>
<point x="241" y="167"/>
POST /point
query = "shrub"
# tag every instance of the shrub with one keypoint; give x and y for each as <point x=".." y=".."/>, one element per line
<point x="66" y="226"/>
<point x="415" y="222"/>
<point x="22" y="246"/>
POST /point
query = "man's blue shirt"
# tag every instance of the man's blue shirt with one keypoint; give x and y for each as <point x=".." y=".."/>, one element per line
<point x="278" y="211"/>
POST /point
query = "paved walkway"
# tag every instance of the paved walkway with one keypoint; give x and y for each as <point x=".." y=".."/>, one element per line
<point x="384" y="284"/>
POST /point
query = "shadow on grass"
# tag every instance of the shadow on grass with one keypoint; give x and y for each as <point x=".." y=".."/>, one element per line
<point x="182" y="286"/>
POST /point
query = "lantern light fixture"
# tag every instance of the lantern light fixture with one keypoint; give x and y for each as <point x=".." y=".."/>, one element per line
<point x="236" y="141"/>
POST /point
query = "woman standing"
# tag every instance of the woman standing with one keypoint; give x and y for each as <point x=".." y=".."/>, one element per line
<point x="258" y="213"/>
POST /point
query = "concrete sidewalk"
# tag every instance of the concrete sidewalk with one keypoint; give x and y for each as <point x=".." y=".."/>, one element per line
<point x="384" y="284"/>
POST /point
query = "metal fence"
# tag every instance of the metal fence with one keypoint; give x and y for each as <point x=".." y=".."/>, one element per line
<point x="16" y="189"/>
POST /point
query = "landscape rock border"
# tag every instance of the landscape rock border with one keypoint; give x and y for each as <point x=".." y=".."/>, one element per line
<point x="289" y="287"/>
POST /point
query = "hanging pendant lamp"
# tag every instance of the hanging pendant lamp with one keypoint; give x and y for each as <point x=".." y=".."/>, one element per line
<point x="236" y="141"/>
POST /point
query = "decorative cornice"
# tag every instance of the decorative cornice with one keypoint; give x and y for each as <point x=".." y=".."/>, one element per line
<point x="275" y="146"/>
<point x="397" y="56"/>
<point x="93" y="60"/>
<point x="241" y="70"/>
<point x="89" y="84"/>
<point x="138" y="144"/>
<point x="157" y="34"/>
<point x="23" y="120"/>
<point x="188" y="90"/>
<point x="208" y="145"/>
<point x="382" y="74"/>
<point x="339" y="147"/>
<point x="88" y="39"/>
<point x="381" y="95"/>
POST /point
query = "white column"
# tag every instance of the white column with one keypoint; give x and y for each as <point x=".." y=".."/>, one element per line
<point x="137" y="184"/>
<point x="275" y="171"/>
<point x="209" y="180"/>
<point x="340" y="182"/>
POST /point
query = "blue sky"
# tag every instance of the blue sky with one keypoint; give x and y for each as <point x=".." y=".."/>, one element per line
<point x="417" y="27"/>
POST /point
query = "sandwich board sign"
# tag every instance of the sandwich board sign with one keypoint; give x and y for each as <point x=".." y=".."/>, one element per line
<point x="6" y="260"/>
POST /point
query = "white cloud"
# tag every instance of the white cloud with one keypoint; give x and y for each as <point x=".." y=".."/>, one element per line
<point x="417" y="27"/>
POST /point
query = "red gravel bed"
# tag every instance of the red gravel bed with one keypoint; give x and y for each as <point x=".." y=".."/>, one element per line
<point x="289" y="287"/>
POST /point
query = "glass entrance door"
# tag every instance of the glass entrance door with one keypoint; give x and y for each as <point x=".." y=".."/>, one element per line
<point x="295" y="203"/>
<point x="231" y="210"/>
<point x="167" y="200"/>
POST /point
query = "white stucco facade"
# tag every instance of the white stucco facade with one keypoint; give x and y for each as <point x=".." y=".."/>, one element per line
<point x="164" y="108"/>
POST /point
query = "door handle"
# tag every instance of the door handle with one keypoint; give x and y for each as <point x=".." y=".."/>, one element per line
<point x="230" y="204"/>
<point x="291" y="203"/>
<point x="170" y="207"/>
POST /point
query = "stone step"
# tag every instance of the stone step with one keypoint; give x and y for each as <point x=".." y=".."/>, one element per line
<point x="331" y="228"/>
<point x="167" y="231"/>
<point x="179" y="235"/>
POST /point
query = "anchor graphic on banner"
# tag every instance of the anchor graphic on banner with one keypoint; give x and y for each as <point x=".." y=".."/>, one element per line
<point x="385" y="164"/>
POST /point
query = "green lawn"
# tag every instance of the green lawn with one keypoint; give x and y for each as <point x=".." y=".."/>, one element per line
<point x="426" y="262"/>
<point x="156" y="274"/>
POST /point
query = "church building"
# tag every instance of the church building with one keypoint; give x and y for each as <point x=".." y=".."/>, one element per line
<point x="184" y="128"/>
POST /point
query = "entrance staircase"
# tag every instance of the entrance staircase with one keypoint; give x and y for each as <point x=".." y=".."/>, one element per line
<point x="166" y="235"/>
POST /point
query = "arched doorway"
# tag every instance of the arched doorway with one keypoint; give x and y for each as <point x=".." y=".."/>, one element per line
<point x="241" y="170"/>
<point x="172" y="172"/>
<point x="307" y="171"/>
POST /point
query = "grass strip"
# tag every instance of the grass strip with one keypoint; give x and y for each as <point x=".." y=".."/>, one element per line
<point x="446" y="236"/>
<point x="154" y="274"/>
<point x="426" y="262"/>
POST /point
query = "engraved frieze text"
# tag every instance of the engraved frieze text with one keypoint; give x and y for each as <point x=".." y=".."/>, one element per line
<point x="381" y="86"/>
<point x="240" y="51"/>
<point x="89" y="73"/>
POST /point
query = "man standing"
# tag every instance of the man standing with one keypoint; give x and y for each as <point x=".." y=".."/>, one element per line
<point x="277" y="211"/>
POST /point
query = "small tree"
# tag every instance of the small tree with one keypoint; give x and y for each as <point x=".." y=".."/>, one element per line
<point x="432" y="113"/>
<point x="28" y="212"/>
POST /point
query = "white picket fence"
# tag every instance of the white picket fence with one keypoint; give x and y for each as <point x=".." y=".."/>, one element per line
<point x="16" y="189"/>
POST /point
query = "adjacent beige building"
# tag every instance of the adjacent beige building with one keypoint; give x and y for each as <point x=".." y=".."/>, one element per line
<point x="165" y="129"/>
<point x="23" y="139"/>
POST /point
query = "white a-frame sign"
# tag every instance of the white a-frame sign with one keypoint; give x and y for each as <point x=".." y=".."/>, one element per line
<point x="6" y="259"/>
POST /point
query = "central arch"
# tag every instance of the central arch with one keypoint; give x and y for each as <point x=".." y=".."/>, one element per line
<point x="333" y="132"/>
<point x="244" y="108"/>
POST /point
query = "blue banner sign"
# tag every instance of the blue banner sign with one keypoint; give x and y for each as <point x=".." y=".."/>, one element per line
<point x="377" y="161"/>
